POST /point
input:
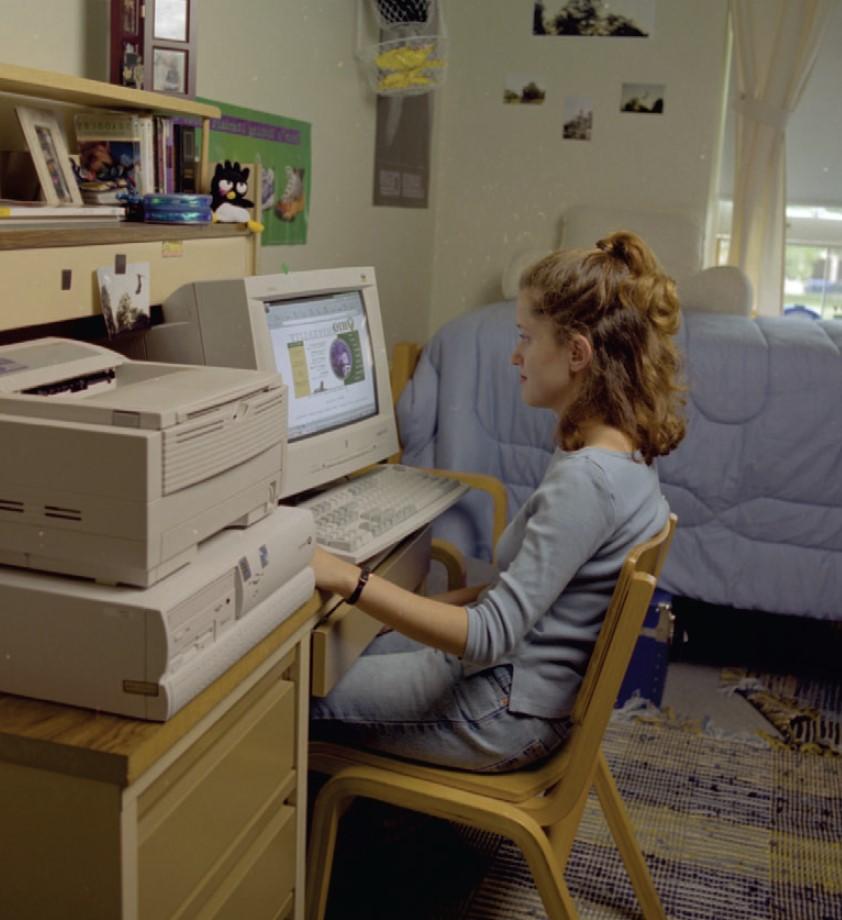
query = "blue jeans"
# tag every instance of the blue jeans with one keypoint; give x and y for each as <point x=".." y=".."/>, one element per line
<point x="409" y="700"/>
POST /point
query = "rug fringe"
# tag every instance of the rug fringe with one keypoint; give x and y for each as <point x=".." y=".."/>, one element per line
<point x="638" y="709"/>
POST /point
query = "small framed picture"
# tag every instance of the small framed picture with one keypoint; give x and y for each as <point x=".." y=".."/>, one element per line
<point x="169" y="70"/>
<point x="170" y="20"/>
<point x="131" y="19"/>
<point x="152" y="45"/>
<point x="48" y="148"/>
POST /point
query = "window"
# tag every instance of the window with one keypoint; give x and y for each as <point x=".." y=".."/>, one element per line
<point x="813" y="271"/>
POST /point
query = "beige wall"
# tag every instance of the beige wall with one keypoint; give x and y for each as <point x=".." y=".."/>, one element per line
<point x="505" y="176"/>
<point x="502" y="176"/>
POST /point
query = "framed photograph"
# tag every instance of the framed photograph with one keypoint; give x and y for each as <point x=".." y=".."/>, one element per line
<point x="126" y="44"/>
<point x="131" y="15"/>
<point x="48" y="148"/>
<point x="170" y="20"/>
<point x="169" y="71"/>
<point x="170" y="43"/>
<point x="153" y="45"/>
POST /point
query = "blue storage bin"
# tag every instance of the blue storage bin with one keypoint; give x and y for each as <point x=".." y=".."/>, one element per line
<point x="647" y="670"/>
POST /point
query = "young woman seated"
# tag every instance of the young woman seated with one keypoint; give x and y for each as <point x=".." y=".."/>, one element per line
<point x="484" y="679"/>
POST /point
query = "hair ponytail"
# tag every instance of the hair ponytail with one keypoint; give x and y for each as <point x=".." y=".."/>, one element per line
<point x="620" y="298"/>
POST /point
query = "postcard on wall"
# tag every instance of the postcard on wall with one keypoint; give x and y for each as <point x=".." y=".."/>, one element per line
<point x="643" y="98"/>
<point x="282" y="148"/>
<point x="124" y="298"/>
<point x="524" y="89"/>
<point x="577" y="120"/>
<point x="594" y="18"/>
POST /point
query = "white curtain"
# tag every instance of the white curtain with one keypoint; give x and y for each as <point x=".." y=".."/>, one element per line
<point x="775" y="46"/>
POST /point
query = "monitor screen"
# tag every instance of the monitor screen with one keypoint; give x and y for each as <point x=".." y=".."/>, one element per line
<point x="322" y="348"/>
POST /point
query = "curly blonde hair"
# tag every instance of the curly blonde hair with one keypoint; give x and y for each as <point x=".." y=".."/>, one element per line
<point x="620" y="299"/>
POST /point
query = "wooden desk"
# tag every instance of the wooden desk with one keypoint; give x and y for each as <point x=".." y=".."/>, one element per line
<point x="202" y="816"/>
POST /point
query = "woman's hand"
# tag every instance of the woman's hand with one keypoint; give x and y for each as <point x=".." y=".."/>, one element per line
<point x="443" y="626"/>
<point x="333" y="574"/>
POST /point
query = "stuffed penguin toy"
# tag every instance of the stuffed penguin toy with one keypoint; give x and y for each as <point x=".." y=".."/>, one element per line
<point x="228" y="195"/>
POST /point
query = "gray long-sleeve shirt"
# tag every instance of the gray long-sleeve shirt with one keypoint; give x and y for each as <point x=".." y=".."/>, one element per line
<point x="558" y="561"/>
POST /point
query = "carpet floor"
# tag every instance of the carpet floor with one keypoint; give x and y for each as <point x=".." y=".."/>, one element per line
<point x="731" y="828"/>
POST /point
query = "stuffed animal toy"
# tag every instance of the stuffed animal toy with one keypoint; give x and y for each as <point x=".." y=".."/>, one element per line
<point x="228" y="195"/>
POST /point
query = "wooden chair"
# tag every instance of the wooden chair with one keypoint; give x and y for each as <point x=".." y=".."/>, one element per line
<point x="539" y="808"/>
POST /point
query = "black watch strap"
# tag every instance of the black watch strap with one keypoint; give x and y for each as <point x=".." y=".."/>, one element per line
<point x="362" y="581"/>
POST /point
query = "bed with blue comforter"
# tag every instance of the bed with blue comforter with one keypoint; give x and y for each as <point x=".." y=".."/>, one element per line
<point x="756" y="483"/>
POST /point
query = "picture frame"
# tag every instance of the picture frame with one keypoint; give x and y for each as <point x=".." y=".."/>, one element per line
<point x="171" y="19"/>
<point x="126" y="44"/>
<point x="45" y="139"/>
<point x="153" y="45"/>
<point x="169" y="70"/>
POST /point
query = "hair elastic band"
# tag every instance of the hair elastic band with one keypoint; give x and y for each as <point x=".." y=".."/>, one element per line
<point x="354" y="596"/>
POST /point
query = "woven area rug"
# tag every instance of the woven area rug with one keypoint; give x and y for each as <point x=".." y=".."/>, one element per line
<point x="804" y="711"/>
<point x="731" y="829"/>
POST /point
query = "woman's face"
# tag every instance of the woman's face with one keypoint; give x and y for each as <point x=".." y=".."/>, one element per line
<point x="546" y="371"/>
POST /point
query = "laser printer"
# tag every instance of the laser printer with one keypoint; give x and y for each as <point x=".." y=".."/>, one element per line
<point x="145" y="652"/>
<point x="116" y="470"/>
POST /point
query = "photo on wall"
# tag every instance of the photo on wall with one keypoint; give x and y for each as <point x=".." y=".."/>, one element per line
<point x="643" y="98"/>
<point x="595" y="18"/>
<point x="124" y="298"/>
<point x="577" y="120"/>
<point x="524" y="89"/>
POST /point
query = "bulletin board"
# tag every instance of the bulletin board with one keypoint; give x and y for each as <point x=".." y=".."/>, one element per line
<point x="282" y="148"/>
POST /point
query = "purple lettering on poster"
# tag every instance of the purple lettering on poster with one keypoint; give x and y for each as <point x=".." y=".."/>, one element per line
<point x="228" y="124"/>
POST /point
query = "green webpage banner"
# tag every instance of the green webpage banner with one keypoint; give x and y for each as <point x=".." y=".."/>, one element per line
<point x="281" y="147"/>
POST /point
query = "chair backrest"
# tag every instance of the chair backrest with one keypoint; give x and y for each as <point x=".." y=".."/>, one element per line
<point x="612" y="653"/>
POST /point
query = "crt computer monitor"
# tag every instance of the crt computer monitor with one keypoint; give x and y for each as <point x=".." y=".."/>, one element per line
<point x="322" y="331"/>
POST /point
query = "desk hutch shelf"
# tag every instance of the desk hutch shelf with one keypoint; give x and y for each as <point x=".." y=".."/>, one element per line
<point x="49" y="274"/>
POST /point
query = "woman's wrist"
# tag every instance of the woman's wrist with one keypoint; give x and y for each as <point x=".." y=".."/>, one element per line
<point x="350" y="575"/>
<point x="359" y="587"/>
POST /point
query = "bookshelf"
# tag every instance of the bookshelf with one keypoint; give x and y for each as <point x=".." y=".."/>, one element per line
<point x="49" y="273"/>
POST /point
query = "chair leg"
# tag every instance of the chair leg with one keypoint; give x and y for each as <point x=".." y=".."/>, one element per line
<point x="331" y="803"/>
<point x="428" y="798"/>
<point x="562" y="834"/>
<point x="618" y="822"/>
<point x="548" y="876"/>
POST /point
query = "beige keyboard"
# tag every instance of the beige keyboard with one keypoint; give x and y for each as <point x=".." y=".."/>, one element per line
<point x="363" y="516"/>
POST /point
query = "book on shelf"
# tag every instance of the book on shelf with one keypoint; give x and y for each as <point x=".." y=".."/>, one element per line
<point x="27" y="212"/>
<point x="185" y="157"/>
<point x="117" y="146"/>
<point x="112" y="191"/>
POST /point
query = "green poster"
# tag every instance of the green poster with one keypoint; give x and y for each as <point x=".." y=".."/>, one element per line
<point x="282" y="147"/>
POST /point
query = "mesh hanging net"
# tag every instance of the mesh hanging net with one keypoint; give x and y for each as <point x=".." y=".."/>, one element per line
<point x="410" y="57"/>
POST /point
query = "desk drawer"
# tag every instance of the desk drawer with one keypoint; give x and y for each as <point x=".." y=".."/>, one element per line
<point x="347" y="631"/>
<point x="204" y="806"/>
<point x="262" y="884"/>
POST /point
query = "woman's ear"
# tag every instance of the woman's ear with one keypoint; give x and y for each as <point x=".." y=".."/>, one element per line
<point x="581" y="352"/>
